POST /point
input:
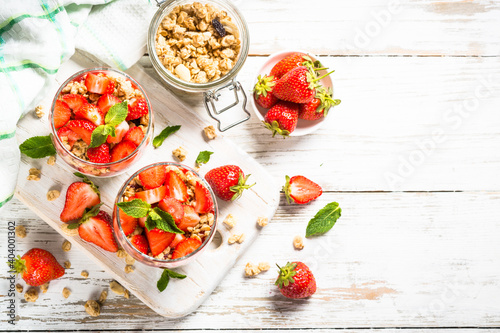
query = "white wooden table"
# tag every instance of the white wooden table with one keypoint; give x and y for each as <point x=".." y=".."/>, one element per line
<point x="412" y="156"/>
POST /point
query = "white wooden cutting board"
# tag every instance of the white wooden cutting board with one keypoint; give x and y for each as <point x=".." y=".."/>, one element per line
<point x="181" y="296"/>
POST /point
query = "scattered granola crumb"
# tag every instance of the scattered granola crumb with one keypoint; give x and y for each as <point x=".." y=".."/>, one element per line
<point x="66" y="246"/>
<point x="210" y="132"/>
<point x="93" y="308"/>
<point x="230" y="221"/>
<point x="85" y="274"/>
<point x="121" y="253"/>
<point x="66" y="292"/>
<point x="69" y="232"/>
<point x="103" y="297"/>
<point x="51" y="160"/>
<point x="39" y="111"/>
<point x="129" y="259"/>
<point x="34" y="174"/>
<point x="31" y="295"/>
<point x="264" y="266"/>
<point x="67" y="264"/>
<point x="180" y="153"/>
<point x="298" y="243"/>
<point x="53" y="195"/>
<point x="126" y="294"/>
<point x="19" y="288"/>
<point x="20" y="231"/>
<point x="116" y="288"/>
<point x="236" y="238"/>
<point x="129" y="269"/>
<point x="251" y="269"/>
<point x="44" y="287"/>
<point x="262" y="221"/>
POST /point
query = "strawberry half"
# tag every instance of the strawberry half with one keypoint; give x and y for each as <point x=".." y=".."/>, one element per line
<point x="110" y="89"/>
<point x="79" y="196"/>
<point x="186" y="247"/>
<point x="122" y="150"/>
<point x="98" y="230"/>
<point x="106" y="101"/>
<point x="178" y="238"/>
<point x="152" y="196"/>
<point x="97" y="83"/>
<point x="61" y="114"/>
<point x="74" y="101"/>
<point x="153" y="177"/>
<point x="91" y="113"/>
<point x="83" y="128"/>
<point x="301" y="190"/>
<point x="176" y="187"/>
<point x="140" y="243"/>
<point x="282" y="118"/>
<point x="190" y="218"/>
<point x="204" y="203"/>
<point x="137" y="109"/>
<point x="128" y="223"/>
<point x="99" y="154"/>
<point x="65" y="134"/>
<point x="120" y="132"/>
<point x="173" y="207"/>
<point x="37" y="267"/>
<point x="263" y="91"/>
<point x="135" y="135"/>
<point x="158" y="240"/>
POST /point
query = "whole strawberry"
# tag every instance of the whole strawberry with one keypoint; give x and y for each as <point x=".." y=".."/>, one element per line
<point x="319" y="106"/>
<point x="295" y="280"/>
<point x="282" y="118"/>
<point x="227" y="182"/>
<point x="292" y="61"/>
<point x="263" y="91"/>
<point x="38" y="267"/>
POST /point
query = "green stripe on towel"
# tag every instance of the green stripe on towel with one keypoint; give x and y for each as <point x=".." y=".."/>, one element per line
<point x="5" y="136"/>
<point x="6" y="200"/>
<point x="7" y="24"/>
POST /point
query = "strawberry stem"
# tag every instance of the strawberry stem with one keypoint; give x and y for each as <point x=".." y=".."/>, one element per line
<point x="238" y="189"/>
<point x="320" y="69"/>
<point x="319" y="78"/>
<point x="286" y="274"/>
<point x="19" y="265"/>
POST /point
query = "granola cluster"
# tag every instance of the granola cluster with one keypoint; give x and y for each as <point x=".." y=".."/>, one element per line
<point x="191" y="48"/>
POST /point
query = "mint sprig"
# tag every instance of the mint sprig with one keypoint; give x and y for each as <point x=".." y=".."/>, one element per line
<point x="115" y="116"/>
<point x="324" y="219"/>
<point x="203" y="157"/>
<point x="165" y="278"/>
<point x="167" y="131"/>
<point x="38" y="147"/>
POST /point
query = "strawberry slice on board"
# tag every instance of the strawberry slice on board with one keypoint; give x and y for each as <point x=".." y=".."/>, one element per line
<point x="122" y="150"/>
<point x="61" y="114"/>
<point x="158" y="240"/>
<point x="97" y="230"/>
<point x="152" y="196"/>
<point x="120" y="132"/>
<point x="91" y="113"/>
<point x="83" y="128"/>
<point x="137" y="109"/>
<point x="140" y="243"/>
<point x="204" y="203"/>
<point x="185" y="247"/>
<point x="74" y="101"/>
<point x="67" y="135"/>
<point x="135" y="135"/>
<point x="79" y="196"/>
<point x="301" y="190"/>
<point x="190" y="219"/>
<point x="153" y="177"/>
<point x="97" y="83"/>
<point x="173" y="207"/>
<point x="106" y="101"/>
<point x="99" y="154"/>
<point x="176" y="187"/>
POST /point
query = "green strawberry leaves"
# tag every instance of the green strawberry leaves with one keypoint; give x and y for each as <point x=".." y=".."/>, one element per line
<point x="167" y="131"/>
<point x="165" y="278"/>
<point x="89" y="213"/>
<point x="115" y="116"/>
<point x="38" y="147"/>
<point x="324" y="219"/>
<point x="203" y="157"/>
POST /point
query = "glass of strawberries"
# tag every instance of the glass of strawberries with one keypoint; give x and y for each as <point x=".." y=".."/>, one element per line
<point x="101" y="121"/>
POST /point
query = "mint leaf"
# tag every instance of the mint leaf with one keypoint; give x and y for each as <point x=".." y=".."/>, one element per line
<point x="176" y="275"/>
<point x="135" y="208"/>
<point x="165" y="222"/>
<point x="324" y="220"/>
<point x="116" y="114"/>
<point x="38" y="147"/>
<point x="158" y="140"/>
<point x="150" y="223"/>
<point x="99" y="136"/>
<point x="165" y="278"/>
<point x="203" y="157"/>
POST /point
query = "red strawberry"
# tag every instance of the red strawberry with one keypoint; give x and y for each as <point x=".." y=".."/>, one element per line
<point x="185" y="247"/>
<point x="65" y="134"/>
<point x="204" y="203"/>
<point x="110" y="89"/>
<point x="298" y="85"/>
<point x="301" y="190"/>
<point x="120" y="132"/>
<point x="79" y="196"/>
<point x="295" y="280"/>
<point x="135" y="135"/>
<point x="74" y="101"/>
<point x="176" y="187"/>
<point x="319" y="106"/>
<point x="122" y="150"/>
<point x="83" y="128"/>
<point x="62" y="114"/>
<point x="106" y="101"/>
<point x="38" y="267"/>
<point x="128" y="223"/>
<point x="282" y="118"/>
<point x="96" y="83"/>
<point x="97" y="230"/>
<point x="140" y="243"/>
<point x="158" y="240"/>
<point x="288" y="63"/>
<point x="263" y="91"/>
<point x="91" y="113"/>
<point x="153" y="177"/>
<point x="178" y="238"/>
<point x="227" y="182"/>
<point x="137" y="109"/>
<point x="190" y="219"/>
<point x="152" y="196"/>
<point x="173" y="207"/>
<point x="142" y="221"/>
<point x="99" y="154"/>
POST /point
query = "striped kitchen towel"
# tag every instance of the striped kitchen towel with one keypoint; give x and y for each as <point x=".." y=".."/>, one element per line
<point x="37" y="36"/>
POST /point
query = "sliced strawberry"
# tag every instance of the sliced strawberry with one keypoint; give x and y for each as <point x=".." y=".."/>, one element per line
<point x="99" y="154"/>
<point x="110" y="89"/>
<point x="98" y="230"/>
<point x="135" y="135"/>
<point x="128" y="223"/>
<point x="79" y="196"/>
<point x="91" y="113"/>
<point x="185" y="247"/>
<point x="173" y="207"/>
<point x="137" y="109"/>
<point x="122" y="150"/>
<point x="190" y="219"/>
<point x="140" y="243"/>
<point x="65" y="134"/>
<point x="178" y="238"/>
<point x="74" y="101"/>
<point x="153" y="177"/>
<point x="106" y="101"/>
<point x="83" y="128"/>
<point x="176" y="187"/>
<point x="142" y="220"/>
<point x="62" y="114"/>
<point x="301" y="190"/>
<point x="96" y="83"/>
<point x="152" y="196"/>
<point x="204" y="203"/>
<point x="158" y="240"/>
<point x="120" y="132"/>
